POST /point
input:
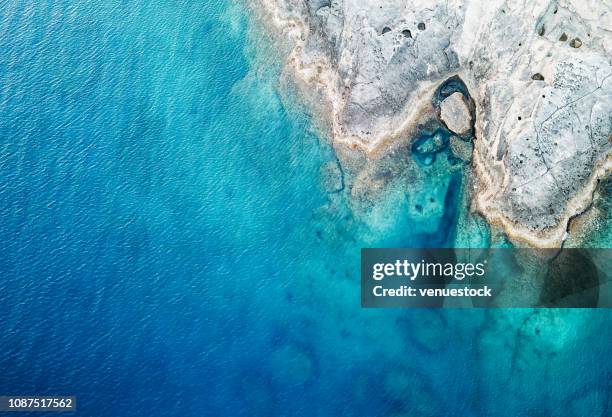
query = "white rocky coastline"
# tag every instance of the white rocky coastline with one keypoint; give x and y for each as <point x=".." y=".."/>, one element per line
<point x="539" y="75"/>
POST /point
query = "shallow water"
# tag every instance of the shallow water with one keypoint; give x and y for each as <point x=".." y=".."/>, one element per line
<point x="168" y="247"/>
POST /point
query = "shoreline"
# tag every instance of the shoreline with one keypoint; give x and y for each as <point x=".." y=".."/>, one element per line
<point x="321" y="83"/>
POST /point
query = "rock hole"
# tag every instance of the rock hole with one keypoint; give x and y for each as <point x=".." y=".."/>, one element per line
<point x="575" y="43"/>
<point x="520" y="118"/>
<point x="421" y="26"/>
<point x="537" y="76"/>
<point x="563" y="37"/>
<point x="520" y="44"/>
<point x="386" y="29"/>
<point x="406" y="33"/>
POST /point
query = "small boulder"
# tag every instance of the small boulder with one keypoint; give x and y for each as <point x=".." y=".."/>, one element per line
<point x="455" y="114"/>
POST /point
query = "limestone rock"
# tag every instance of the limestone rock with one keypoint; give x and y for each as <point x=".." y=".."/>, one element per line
<point x="455" y="114"/>
<point x="542" y="141"/>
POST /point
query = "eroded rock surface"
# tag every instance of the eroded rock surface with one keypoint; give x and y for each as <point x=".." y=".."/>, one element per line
<point x="461" y="149"/>
<point x="539" y="75"/>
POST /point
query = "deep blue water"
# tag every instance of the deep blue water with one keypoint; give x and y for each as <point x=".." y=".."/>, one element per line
<point x="167" y="247"/>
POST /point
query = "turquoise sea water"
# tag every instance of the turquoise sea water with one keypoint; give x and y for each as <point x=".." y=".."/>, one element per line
<point x="167" y="246"/>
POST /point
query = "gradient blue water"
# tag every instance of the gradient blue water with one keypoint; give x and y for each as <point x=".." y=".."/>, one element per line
<point x="167" y="247"/>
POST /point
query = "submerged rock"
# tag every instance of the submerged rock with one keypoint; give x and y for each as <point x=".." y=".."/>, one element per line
<point x="455" y="114"/>
<point x="332" y="177"/>
<point x="428" y="144"/>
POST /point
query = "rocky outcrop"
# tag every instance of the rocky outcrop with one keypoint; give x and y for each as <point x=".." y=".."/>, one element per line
<point x="455" y="114"/>
<point x="539" y="74"/>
